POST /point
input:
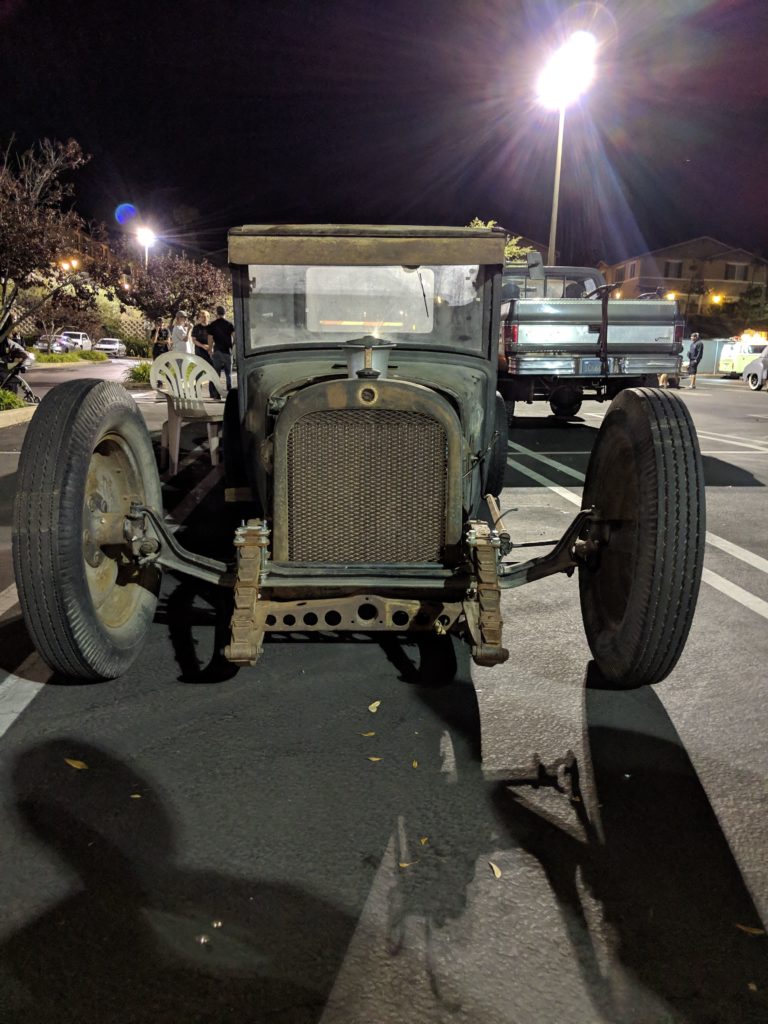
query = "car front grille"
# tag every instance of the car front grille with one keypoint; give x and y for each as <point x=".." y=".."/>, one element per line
<point x="366" y="486"/>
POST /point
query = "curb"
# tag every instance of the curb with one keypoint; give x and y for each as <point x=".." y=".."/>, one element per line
<point x="11" y="417"/>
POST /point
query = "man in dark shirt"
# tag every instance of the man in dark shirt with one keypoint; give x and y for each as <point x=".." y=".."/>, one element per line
<point x="221" y="331"/>
<point x="695" y="353"/>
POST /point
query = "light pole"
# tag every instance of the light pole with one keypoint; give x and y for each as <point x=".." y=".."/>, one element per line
<point x="567" y="74"/>
<point x="145" y="237"/>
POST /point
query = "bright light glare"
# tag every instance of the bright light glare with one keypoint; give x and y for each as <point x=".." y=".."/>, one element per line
<point x="145" y="236"/>
<point x="568" y="73"/>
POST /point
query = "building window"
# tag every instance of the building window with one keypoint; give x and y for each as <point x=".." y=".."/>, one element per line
<point x="618" y="275"/>
<point x="632" y="270"/>
<point x="736" y="271"/>
<point x="673" y="268"/>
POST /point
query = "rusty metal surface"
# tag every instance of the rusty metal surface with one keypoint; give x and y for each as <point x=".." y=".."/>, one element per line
<point x="374" y="475"/>
<point x="329" y="245"/>
<point x="354" y="475"/>
<point x="483" y="607"/>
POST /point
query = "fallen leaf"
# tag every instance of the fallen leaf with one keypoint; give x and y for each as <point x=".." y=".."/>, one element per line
<point x="367" y="733"/>
<point x="74" y="763"/>
<point x="373" y="708"/>
<point x="135" y="796"/>
<point x="374" y="758"/>
<point x="424" y="840"/>
<point x="407" y="863"/>
<point x="414" y="764"/>
<point x="752" y="986"/>
<point x="495" y="869"/>
<point x="750" y="931"/>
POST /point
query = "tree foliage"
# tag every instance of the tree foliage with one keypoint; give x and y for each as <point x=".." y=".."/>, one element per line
<point x="514" y="252"/>
<point x="39" y="234"/>
<point x="751" y="308"/>
<point x="171" y="283"/>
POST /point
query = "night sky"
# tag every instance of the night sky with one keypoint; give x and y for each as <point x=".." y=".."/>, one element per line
<point x="210" y="113"/>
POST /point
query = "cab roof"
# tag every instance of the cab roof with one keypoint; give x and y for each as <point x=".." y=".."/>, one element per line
<point x="364" y="245"/>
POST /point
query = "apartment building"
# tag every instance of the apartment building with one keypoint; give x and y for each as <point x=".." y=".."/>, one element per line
<point x="703" y="274"/>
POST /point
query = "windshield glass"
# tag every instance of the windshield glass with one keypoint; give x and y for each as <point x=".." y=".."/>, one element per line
<point x="435" y="306"/>
<point x="518" y="285"/>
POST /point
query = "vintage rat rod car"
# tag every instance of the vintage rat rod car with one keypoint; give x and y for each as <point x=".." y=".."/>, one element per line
<point x="368" y="444"/>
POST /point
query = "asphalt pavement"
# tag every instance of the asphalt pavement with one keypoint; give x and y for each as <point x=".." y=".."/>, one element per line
<point x="516" y="845"/>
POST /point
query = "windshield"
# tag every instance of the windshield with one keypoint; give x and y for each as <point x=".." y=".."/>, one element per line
<point x="424" y="306"/>
<point x="555" y="286"/>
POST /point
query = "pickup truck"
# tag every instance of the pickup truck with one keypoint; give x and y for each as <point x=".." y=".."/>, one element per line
<point x="563" y="338"/>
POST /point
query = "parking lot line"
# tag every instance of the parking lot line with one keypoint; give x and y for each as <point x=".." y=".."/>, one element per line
<point x="756" y="561"/>
<point x="736" y="593"/>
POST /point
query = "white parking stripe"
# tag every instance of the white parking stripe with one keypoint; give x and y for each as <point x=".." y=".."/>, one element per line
<point x="756" y="561"/>
<point x="754" y="445"/>
<point x="555" y="488"/>
<point x="16" y="691"/>
<point x="733" y="549"/>
<point x="8" y="599"/>
<point x="744" y="597"/>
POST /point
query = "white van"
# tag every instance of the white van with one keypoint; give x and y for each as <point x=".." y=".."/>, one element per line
<point x="78" y="340"/>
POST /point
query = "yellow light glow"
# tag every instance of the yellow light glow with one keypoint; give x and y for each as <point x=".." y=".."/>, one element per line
<point x="74" y="263"/>
<point x="617" y="295"/>
<point x="717" y="299"/>
<point x="64" y="265"/>
<point x="671" y="296"/>
<point x="568" y="73"/>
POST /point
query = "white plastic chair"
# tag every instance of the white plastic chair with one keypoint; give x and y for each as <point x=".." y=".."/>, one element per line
<point x="184" y="380"/>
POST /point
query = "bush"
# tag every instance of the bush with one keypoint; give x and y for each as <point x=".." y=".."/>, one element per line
<point x="69" y="357"/>
<point x="57" y="357"/>
<point x="138" y="374"/>
<point x="137" y="348"/>
<point x="10" y="401"/>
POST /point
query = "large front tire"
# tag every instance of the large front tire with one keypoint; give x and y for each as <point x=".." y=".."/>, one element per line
<point x="87" y="604"/>
<point x="754" y="382"/>
<point x="497" y="457"/>
<point x="645" y="478"/>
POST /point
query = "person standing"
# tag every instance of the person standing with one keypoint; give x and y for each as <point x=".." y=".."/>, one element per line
<point x="161" y="338"/>
<point x="695" y="352"/>
<point x="180" y="336"/>
<point x="221" y="331"/>
<point x="200" y="338"/>
<point x="203" y="345"/>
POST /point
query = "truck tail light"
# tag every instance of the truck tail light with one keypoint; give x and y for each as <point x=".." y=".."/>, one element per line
<point x="679" y="336"/>
<point x="509" y="333"/>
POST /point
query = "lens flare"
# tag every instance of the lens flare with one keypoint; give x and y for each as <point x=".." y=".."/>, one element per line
<point x="125" y="212"/>
<point x="568" y="72"/>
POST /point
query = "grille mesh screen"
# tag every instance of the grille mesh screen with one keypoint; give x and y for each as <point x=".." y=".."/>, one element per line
<point x="366" y="485"/>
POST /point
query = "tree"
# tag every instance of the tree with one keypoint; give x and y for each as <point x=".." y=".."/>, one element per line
<point x="513" y="251"/>
<point x="171" y="283"/>
<point x="40" y="252"/>
<point x="751" y="308"/>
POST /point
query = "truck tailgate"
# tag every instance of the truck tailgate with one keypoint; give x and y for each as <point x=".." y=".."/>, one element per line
<point x="573" y="325"/>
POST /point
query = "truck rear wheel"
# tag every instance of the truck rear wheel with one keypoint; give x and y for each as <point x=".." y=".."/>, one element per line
<point x="565" y="402"/>
<point x="87" y="603"/>
<point x="646" y="480"/>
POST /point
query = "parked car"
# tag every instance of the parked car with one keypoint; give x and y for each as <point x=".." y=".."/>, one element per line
<point x="755" y="373"/>
<point x="78" y="340"/>
<point x="112" y="346"/>
<point x="53" y="343"/>
<point x="367" y="444"/>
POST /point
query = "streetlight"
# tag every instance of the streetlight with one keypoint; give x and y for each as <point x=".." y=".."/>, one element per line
<point x="567" y="74"/>
<point x="145" y="237"/>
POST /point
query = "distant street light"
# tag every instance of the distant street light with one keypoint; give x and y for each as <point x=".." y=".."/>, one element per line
<point x="147" y="238"/>
<point x="567" y="74"/>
